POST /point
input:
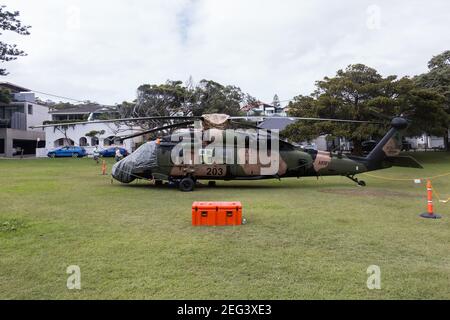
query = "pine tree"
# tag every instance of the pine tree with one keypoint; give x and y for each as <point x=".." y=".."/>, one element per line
<point x="276" y="103"/>
<point x="9" y="22"/>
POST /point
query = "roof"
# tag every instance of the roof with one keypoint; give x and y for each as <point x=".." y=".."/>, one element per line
<point x="276" y="123"/>
<point x="13" y="87"/>
<point x="81" y="109"/>
<point x="251" y="106"/>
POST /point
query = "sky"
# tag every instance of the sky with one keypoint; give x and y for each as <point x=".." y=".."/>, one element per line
<point x="103" y="50"/>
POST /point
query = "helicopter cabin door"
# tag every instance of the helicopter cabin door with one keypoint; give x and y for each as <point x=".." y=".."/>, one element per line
<point x="209" y="168"/>
<point x="245" y="159"/>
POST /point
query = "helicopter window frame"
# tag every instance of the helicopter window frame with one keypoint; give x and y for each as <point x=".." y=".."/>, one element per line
<point x="206" y="155"/>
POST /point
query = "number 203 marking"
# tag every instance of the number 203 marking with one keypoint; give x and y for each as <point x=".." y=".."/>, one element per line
<point x="214" y="171"/>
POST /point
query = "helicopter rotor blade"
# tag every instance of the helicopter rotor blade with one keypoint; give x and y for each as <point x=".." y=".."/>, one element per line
<point x="169" y="126"/>
<point x="248" y="118"/>
<point x="243" y="124"/>
<point x="261" y="118"/>
<point x="251" y="126"/>
<point x="119" y="120"/>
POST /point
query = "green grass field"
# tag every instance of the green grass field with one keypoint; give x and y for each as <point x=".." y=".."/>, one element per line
<point x="305" y="239"/>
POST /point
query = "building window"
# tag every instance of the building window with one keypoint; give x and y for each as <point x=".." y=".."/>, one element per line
<point x="30" y="109"/>
<point x="108" y="141"/>
<point x="94" y="141"/>
<point x="83" y="142"/>
<point x="63" y="142"/>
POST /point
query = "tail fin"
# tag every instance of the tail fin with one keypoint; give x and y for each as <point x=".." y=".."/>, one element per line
<point x="403" y="161"/>
<point x="386" y="152"/>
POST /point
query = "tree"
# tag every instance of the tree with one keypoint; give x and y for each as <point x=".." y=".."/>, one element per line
<point x="63" y="129"/>
<point x="9" y="22"/>
<point x="276" y="102"/>
<point x="349" y="95"/>
<point x="153" y="100"/>
<point x="438" y="79"/>
<point x="361" y="93"/>
<point x="161" y="100"/>
<point x="213" y="97"/>
<point x="421" y="106"/>
<point x="95" y="134"/>
<point x="5" y="95"/>
<point x="175" y="98"/>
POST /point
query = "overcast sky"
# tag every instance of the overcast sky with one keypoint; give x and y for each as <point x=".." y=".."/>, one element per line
<point x="102" y="50"/>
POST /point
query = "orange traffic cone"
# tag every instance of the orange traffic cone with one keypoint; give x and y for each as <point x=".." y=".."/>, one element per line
<point x="430" y="213"/>
<point x="103" y="167"/>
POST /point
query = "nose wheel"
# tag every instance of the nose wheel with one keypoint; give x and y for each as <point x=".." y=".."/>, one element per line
<point x="361" y="183"/>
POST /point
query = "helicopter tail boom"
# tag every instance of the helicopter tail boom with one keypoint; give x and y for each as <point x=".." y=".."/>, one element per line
<point x="386" y="152"/>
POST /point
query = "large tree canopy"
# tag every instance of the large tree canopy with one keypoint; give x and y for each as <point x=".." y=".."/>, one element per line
<point x="176" y="98"/>
<point x="161" y="99"/>
<point x="438" y="80"/>
<point x="361" y="93"/>
<point x="9" y="21"/>
<point x="212" y="97"/>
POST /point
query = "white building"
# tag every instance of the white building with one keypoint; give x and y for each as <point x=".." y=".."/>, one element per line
<point x="426" y="141"/>
<point x="264" y="109"/>
<point x="87" y="135"/>
<point x="16" y="117"/>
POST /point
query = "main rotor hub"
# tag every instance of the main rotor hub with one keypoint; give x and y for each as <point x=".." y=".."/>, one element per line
<point x="215" y="120"/>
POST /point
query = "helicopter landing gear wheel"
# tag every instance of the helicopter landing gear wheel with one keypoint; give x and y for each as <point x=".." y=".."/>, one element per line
<point x="360" y="183"/>
<point x="211" y="183"/>
<point x="186" y="184"/>
<point x="158" y="182"/>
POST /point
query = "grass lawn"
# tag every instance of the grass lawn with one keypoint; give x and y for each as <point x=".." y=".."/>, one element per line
<point x="305" y="239"/>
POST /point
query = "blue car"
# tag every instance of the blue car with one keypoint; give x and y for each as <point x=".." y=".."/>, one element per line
<point x="111" y="152"/>
<point x="68" y="151"/>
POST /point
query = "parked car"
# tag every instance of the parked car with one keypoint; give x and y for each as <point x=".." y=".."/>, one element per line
<point x="68" y="151"/>
<point x="309" y="146"/>
<point x="111" y="152"/>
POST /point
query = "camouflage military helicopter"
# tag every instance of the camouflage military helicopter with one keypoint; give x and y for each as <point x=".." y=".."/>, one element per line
<point x="153" y="159"/>
<point x="192" y="153"/>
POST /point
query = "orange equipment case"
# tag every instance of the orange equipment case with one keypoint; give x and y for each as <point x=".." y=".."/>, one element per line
<point x="216" y="213"/>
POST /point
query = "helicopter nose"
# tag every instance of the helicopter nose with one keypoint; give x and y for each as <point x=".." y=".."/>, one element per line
<point x="122" y="171"/>
<point x="142" y="159"/>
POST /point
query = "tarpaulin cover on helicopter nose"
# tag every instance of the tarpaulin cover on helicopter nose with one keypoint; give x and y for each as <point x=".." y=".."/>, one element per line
<point x="144" y="158"/>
